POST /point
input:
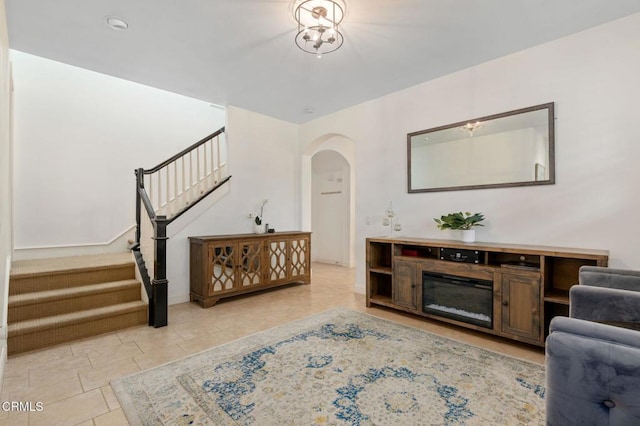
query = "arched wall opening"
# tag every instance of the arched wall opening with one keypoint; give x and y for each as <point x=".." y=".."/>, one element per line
<point x="345" y="148"/>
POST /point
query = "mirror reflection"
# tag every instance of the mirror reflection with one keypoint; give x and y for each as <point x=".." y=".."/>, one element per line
<point x="514" y="148"/>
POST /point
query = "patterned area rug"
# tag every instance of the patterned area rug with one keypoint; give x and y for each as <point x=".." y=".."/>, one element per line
<point x="339" y="367"/>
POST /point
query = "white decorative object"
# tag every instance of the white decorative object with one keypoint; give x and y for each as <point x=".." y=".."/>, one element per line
<point x="468" y="235"/>
<point x="258" y="229"/>
<point x="258" y="226"/>
<point x="387" y="220"/>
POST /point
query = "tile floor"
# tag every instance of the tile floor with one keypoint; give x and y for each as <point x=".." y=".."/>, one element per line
<point x="72" y="380"/>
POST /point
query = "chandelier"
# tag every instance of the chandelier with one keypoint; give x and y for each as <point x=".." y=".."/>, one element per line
<point x="472" y="127"/>
<point x="318" y="26"/>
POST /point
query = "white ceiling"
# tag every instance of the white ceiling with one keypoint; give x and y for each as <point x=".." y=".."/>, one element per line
<point x="242" y="52"/>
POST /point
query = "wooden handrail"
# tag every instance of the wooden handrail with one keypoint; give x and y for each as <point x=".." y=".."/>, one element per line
<point x="184" y="151"/>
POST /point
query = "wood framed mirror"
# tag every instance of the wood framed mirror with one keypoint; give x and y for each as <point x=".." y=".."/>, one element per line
<point x="514" y="148"/>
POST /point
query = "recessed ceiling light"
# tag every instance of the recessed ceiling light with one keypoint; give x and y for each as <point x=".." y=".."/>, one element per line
<point x="116" y="23"/>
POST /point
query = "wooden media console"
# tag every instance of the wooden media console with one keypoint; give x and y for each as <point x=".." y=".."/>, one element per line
<point x="528" y="285"/>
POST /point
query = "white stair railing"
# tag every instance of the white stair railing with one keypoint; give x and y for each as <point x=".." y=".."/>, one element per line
<point x="162" y="194"/>
<point x="186" y="177"/>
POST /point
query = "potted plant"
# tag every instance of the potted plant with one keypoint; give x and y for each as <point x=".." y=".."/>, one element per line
<point x="463" y="222"/>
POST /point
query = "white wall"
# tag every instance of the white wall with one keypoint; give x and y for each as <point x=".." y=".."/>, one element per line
<point x="5" y="181"/>
<point x="264" y="164"/>
<point x="593" y="78"/>
<point x="330" y="208"/>
<point x="79" y="135"/>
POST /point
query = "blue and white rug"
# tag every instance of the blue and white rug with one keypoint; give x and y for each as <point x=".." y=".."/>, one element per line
<point x="339" y="367"/>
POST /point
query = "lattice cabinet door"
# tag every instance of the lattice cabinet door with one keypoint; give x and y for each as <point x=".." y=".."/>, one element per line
<point x="222" y="268"/>
<point x="278" y="260"/>
<point x="300" y="258"/>
<point x="250" y="264"/>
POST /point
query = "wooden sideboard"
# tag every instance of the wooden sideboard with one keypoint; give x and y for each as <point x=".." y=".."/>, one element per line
<point x="530" y="284"/>
<point x="228" y="265"/>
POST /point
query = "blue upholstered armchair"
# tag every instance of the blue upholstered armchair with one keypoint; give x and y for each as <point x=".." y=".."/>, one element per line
<point x="593" y="357"/>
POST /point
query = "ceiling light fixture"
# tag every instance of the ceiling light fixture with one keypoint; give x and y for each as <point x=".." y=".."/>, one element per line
<point x="116" y="23"/>
<point x="472" y="127"/>
<point x="318" y="26"/>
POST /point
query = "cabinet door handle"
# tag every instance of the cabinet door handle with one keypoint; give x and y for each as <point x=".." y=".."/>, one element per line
<point x="505" y="303"/>
<point x="413" y="285"/>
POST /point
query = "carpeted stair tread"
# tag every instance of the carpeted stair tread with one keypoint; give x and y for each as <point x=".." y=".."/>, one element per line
<point x="58" y="321"/>
<point x="58" y="300"/>
<point x="37" y="275"/>
<point x="48" y="266"/>
<point x="69" y="293"/>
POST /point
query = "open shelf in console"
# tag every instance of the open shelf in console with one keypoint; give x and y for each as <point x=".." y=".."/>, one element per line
<point x="379" y="256"/>
<point x="560" y="274"/>
<point x="514" y="260"/>
<point x="380" y="285"/>
<point x="552" y="310"/>
<point x="411" y="250"/>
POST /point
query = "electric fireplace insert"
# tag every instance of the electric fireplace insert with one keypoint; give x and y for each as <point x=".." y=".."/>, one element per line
<point x="464" y="299"/>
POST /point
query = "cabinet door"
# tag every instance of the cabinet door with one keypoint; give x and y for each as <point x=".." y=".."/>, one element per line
<point x="249" y="269"/>
<point x="222" y="268"/>
<point x="521" y="305"/>
<point x="404" y="291"/>
<point x="277" y="251"/>
<point x="299" y="258"/>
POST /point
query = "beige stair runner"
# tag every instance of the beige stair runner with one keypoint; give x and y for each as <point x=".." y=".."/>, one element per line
<point x="58" y="300"/>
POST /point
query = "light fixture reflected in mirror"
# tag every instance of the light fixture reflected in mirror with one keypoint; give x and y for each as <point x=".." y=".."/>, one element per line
<point x="472" y="127"/>
<point x="319" y="26"/>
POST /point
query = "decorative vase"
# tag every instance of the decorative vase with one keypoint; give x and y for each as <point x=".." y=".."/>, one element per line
<point x="258" y="229"/>
<point x="468" y="235"/>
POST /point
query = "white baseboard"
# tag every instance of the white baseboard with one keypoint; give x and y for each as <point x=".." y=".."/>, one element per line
<point x="178" y="298"/>
<point x="117" y="245"/>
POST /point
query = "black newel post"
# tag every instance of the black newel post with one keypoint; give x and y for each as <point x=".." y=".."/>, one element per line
<point x="159" y="284"/>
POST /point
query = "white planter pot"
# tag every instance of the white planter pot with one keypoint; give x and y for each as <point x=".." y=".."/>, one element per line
<point x="258" y="229"/>
<point x="468" y="235"/>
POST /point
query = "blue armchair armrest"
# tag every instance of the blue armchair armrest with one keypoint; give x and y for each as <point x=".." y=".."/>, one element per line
<point x="593" y="374"/>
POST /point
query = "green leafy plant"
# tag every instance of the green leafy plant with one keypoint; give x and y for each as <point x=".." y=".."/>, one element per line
<point x="459" y="221"/>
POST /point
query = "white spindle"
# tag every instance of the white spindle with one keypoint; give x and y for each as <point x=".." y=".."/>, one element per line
<point x="184" y="187"/>
<point x="213" y="161"/>
<point x="198" y="167"/>
<point x="219" y="170"/>
<point x="159" y="205"/>
<point x="175" y="179"/>
<point x="191" y="176"/>
<point x="168" y="187"/>
<point x="204" y="165"/>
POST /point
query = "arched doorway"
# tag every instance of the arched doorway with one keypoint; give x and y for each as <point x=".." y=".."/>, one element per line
<point x="328" y="179"/>
<point x="330" y="196"/>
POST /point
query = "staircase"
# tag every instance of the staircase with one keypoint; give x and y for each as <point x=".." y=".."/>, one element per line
<point x="53" y="301"/>
<point x="164" y="193"/>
